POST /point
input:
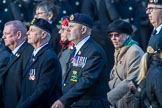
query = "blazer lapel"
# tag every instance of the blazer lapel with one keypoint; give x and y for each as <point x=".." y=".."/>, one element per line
<point x="79" y="53"/>
<point x="35" y="59"/>
<point x="16" y="56"/>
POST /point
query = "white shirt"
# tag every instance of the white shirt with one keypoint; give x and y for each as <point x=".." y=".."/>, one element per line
<point x="80" y="44"/>
<point x="158" y="28"/>
<point x="37" y="50"/>
<point x="17" y="48"/>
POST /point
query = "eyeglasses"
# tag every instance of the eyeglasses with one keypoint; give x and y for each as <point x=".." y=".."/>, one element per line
<point x="150" y="9"/>
<point x="40" y="13"/>
<point x="114" y="34"/>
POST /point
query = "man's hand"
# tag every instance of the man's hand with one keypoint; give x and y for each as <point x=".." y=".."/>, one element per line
<point x="58" y="104"/>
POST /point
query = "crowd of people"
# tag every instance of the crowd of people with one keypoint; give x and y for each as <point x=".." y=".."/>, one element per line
<point x="81" y="54"/>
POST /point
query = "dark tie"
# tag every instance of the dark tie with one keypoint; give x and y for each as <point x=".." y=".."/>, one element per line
<point x="154" y="32"/>
<point x="11" y="56"/>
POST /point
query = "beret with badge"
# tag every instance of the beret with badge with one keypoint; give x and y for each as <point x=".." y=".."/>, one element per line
<point x="64" y="20"/>
<point x="42" y="24"/>
<point x="81" y="18"/>
<point x="156" y="2"/>
<point x="120" y="26"/>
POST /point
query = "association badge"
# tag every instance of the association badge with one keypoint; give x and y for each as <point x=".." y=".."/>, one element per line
<point x="74" y="76"/>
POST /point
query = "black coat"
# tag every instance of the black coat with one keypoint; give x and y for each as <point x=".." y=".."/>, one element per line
<point x="85" y="84"/>
<point x="44" y="87"/>
<point x="12" y="79"/>
<point x="153" y="85"/>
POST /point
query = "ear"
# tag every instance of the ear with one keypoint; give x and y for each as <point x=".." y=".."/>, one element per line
<point x="18" y="34"/>
<point x="44" y="34"/>
<point x="50" y="16"/>
<point x="84" y="29"/>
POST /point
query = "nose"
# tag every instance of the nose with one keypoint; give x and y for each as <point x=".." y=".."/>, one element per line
<point x="3" y="36"/>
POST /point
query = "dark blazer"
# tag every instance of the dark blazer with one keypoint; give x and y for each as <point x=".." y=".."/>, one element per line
<point x="12" y="76"/>
<point x="89" y="86"/>
<point x="41" y="90"/>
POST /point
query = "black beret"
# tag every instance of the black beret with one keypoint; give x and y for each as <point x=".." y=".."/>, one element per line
<point x="43" y="24"/>
<point x="82" y="19"/>
<point x="120" y="27"/>
<point x="156" y="2"/>
<point x="155" y="44"/>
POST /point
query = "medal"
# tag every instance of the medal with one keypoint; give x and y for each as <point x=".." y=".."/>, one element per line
<point x="32" y="74"/>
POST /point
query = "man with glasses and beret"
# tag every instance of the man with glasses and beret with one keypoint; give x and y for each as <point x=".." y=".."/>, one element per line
<point x="85" y="81"/>
<point x="42" y="77"/>
<point x="154" y="12"/>
<point x="127" y="57"/>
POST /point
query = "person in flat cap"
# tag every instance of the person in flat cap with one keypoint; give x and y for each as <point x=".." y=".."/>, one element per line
<point x="127" y="57"/>
<point x="42" y="77"/>
<point x="150" y="75"/>
<point x="85" y="80"/>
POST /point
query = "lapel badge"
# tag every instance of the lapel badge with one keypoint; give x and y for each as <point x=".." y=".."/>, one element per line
<point x="74" y="77"/>
<point x="72" y="17"/>
<point x="32" y="74"/>
<point x="79" y="53"/>
<point x="17" y="55"/>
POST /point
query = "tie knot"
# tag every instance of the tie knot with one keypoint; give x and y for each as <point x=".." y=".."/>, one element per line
<point x="154" y="32"/>
<point x="73" y="51"/>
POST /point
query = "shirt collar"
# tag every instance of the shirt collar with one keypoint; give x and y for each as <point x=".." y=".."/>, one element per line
<point x="80" y="44"/>
<point x="158" y="28"/>
<point x="17" y="48"/>
<point x="38" y="49"/>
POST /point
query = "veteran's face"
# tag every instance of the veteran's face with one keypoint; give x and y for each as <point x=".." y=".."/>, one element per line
<point x="34" y="35"/>
<point x="10" y="36"/>
<point x="154" y="13"/>
<point x="63" y="33"/>
<point x="74" y="32"/>
<point x="117" y="39"/>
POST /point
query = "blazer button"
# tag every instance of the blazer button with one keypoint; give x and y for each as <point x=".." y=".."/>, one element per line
<point x="64" y="84"/>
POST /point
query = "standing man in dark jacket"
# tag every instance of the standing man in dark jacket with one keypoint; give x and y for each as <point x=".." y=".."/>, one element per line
<point x="14" y="35"/>
<point x="85" y="81"/>
<point x="42" y="77"/>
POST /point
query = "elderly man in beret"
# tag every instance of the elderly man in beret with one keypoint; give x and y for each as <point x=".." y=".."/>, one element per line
<point x="126" y="68"/>
<point x="42" y="78"/>
<point x="85" y="81"/>
<point x="154" y="12"/>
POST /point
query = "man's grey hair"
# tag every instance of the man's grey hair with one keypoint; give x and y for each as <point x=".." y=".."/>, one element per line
<point x="18" y="26"/>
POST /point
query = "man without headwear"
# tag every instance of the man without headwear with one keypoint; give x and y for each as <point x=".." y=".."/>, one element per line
<point x="14" y="35"/>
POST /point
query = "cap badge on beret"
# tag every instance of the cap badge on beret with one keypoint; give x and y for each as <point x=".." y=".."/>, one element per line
<point x="71" y="17"/>
<point x="150" y="49"/>
<point x="32" y="22"/>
